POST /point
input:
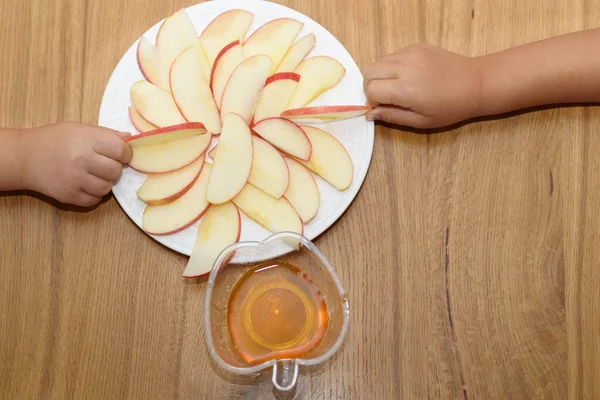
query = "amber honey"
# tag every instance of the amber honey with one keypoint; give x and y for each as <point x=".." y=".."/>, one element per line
<point x="275" y="311"/>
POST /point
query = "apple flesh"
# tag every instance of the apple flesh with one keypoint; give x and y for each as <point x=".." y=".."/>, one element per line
<point x="302" y="191"/>
<point x="232" y="162"/>
<point x="273" y="39"/>
<point x="203" y="60"/>
<point x="244" y="86"/>
<point x="276" y="94"/>
<point x="182" y="213"/>
<point x="176" y="34"/>
<point x="219" y="228"/>
<point x="317" y="75"/>
<point x="155" y="105"/>
<point x="227" y="60"/>
<point x="229" y="26"/>
<point x="275" y="215"/>
<point x="286" y="136"/>
<point x="151" y="65"/>
<point x="192" y="93"/>
<point x="325" y="113"/>
<point x="139" y="122"/>
<point x="170" y="156"/>
<point x="329" y="158"/>
<point x="166" y="134"/>
<point x="213" y="152"/>
<point x="167" y="187"/>
<point x="269" y="170"/>
<point x="296" y="53"/>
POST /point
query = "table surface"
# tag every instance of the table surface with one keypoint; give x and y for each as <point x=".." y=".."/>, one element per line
<point x="470" y="256"/>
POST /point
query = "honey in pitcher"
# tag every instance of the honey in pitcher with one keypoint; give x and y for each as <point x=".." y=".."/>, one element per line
<point x="275" y="311"/>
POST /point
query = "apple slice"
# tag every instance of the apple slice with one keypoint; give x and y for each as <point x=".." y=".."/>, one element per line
<point x="324" y="113"/>
<point x="274" y="97"/>
<point x="165" y="188"/>
<point x="176" y="34"/>
<point x="275" y="215"/>
<point x="203" y="60"/>
<point x="302" y="192"/>
<point x="219" y="228"/>
<point x="269" y="171"/>
<point x="317" y="75"/>
<point x="225" y="28"/>
<point x="329" y="158"/>
<point x="244" y="86"/>
<point x="155" y="104"/>
<point x="232" y="162"/>
<point x="192" y="93"/>
<point x="151" y="65"/>
<point x="273" y="39"/>
<point x="166" y="134"/>
<point x="178" y="215"/>
<point x="139" y="122"/>
<point x="169" y="156"/>
<point x="227" y="60"/>
<point x="285" y="135"/>
<point x="296" y="53"/>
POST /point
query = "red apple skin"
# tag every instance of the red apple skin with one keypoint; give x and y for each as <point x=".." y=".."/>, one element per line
<point x="177" y="195"/>
<point x="323" y="110"/>
<point x="283" y="75"/>
<point x="237" y="239"/>
<point x="223" y="51"/>
<point x="281" y="151"/>
<point x="166" y="129"/>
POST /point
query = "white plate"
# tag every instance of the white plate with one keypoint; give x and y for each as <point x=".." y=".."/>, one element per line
<point x="357" y="135"/>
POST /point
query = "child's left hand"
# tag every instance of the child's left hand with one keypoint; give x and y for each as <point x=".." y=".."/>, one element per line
<point x="423" y="86"/>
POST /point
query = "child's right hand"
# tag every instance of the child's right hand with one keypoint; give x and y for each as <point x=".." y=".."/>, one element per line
<point x="73" y="163"/>
<point x="423" y="86"/>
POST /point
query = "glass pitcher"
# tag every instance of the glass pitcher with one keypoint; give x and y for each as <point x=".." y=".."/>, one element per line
<point x="233" y="263"/>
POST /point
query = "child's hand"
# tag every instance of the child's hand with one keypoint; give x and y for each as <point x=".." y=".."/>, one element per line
<point x="423" y="86"/>
<point x="73" y="163"/>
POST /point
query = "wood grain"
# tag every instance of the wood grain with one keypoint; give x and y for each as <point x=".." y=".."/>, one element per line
<point x="470" y="256"/>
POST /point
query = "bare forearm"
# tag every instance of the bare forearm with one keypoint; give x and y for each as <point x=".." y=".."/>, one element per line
<point x="562" y="69"/>
<point x="11" y="160"/>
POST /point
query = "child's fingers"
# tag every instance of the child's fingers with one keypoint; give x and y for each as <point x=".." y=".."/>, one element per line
<point x="95" y="186"/>
<point x="398" y="116"/>
<point x="380" y="91"/>
<point x="122" y="135"/>
<point x="381" y="70"/>
<point x="105" y="168"/>
<point x="119" y="134"/>
<point x="113" y="147"/>
<point x="86" y="200"/>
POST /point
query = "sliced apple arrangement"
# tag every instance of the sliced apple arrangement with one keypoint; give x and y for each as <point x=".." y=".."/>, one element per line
<point x="252" y="93"/>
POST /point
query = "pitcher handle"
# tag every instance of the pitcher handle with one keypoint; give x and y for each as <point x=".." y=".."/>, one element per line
<point x="285" y="375"/>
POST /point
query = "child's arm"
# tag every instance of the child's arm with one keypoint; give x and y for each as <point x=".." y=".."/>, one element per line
<point x="70" y="162"/>
<point x="426" y="87"/>
<point x="11" y="160"/>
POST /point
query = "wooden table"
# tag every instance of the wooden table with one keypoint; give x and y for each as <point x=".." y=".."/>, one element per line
<point x="471" y="256"/>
